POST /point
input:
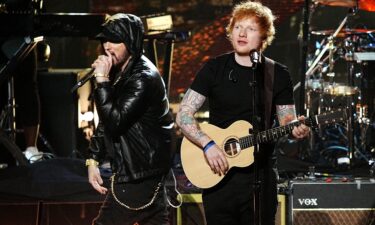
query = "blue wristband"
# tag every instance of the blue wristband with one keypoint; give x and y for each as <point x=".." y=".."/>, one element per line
<point x="208" y="145"/>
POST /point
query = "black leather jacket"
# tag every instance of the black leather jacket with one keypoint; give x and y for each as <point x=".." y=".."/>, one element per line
<point x="135" y="128"/>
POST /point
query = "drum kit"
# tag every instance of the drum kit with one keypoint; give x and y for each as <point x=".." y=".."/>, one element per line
<point x="343" y="144"/>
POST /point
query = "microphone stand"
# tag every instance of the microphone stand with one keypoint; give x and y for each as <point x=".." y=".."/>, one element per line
<point x="255" y="131"/>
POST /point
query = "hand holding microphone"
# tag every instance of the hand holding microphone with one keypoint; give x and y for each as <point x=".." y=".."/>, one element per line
<point x="102" y="67"/>
<point x="99" y="69"/>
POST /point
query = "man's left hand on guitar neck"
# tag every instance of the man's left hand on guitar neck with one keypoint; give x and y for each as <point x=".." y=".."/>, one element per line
<point x="287" y="114"/>
<point x="301" y="131"/>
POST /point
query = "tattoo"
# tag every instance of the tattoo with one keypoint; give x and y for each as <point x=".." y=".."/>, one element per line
<point x="286" y="114"/>
<point x="190" y="104"/>
<point x="193" y="99"/>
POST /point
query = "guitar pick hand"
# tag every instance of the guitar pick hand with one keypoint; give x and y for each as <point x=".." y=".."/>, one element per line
<point x="217" y="161"/>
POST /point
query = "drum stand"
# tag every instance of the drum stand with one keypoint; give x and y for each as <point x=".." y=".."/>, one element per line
<point x="347" y="159"/>
<point x="7" y="119"/>
<point x="351" y="111"/>
<point x="8" y="140"/>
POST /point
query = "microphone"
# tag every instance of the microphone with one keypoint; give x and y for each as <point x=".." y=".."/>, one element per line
<point x="254" y="57"/>
<point x="86" y="78"/>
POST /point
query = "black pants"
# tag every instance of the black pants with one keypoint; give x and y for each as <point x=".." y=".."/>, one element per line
<point x="134" y="194"/>
<point x="231" y="201"/>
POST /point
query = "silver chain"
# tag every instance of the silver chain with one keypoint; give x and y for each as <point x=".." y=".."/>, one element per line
<point x="129" y="207"/>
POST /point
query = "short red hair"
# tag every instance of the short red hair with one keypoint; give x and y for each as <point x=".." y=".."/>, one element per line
<point x="261" y="13"/>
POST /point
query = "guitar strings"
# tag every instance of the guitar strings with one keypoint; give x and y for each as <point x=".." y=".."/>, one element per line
<point x="285" y="129"/>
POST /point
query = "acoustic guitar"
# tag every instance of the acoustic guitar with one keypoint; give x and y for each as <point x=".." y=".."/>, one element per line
<point x="238" y="146"/>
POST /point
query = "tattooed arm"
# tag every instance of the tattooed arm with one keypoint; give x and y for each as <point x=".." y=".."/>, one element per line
<point x="287" y="114"/>
<point x="190" y="104"/>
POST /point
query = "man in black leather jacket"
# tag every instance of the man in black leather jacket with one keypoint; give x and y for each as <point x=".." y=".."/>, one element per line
<point x="134" y="130"/>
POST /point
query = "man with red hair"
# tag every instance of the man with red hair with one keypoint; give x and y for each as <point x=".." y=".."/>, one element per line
<point x="224" y="81"/>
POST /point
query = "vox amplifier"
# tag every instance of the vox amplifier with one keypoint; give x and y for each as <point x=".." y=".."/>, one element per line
<point x="332" y="203"/>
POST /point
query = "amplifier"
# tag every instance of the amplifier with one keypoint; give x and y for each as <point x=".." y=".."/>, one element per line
<point x="191" y="211"/>
<point x="331" y="203"/>
<point x="47" y="213"/>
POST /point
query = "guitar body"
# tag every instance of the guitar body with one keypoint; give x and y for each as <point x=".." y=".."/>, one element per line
<point x="194" y="162"/>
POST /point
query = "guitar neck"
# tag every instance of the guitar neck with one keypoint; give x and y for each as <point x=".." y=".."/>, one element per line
<point x="269" y="135"/>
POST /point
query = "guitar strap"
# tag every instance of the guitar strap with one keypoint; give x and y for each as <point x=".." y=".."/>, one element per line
<point x="269" y="73"/>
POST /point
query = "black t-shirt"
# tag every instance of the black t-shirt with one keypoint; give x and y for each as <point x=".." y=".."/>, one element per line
<point x="226" y="85"/>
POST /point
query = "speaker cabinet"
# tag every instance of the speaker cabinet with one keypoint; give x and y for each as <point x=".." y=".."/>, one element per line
<point x="191" y="211"/>
<point x="332" y="203"/>
<point x="59" y="111"/>
<point x="51" y="213"/>
<point x="280" y="218"/>
<point x="18" y="213"/>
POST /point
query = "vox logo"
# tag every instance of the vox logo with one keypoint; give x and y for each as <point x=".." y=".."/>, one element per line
<point x="308" y="201"/>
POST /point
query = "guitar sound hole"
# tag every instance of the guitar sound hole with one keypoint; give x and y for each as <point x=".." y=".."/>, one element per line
<point x="232" y="147"/>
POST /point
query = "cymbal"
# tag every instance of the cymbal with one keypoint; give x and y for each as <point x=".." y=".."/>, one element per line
<point x="338" y="89"/>
<point x="368" y="5"/>
<point x="343" y="32"/>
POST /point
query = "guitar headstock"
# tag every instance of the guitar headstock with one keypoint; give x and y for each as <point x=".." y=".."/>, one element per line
<point x="336" y="116"/>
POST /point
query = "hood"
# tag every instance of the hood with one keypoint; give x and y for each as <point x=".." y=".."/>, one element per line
<point x="124" y="28"/>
